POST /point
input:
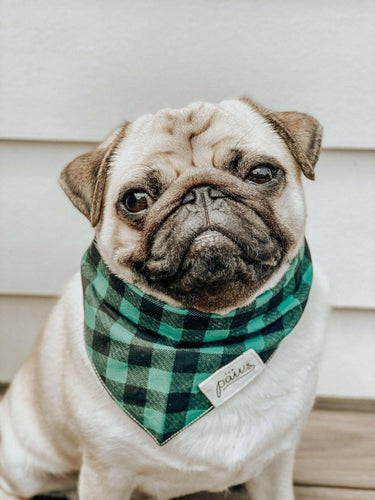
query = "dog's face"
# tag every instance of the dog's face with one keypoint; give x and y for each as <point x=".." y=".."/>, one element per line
<point x="202" y="206"/>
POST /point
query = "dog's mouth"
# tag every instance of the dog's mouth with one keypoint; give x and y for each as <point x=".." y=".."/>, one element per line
<point x="209" y="260"/>
<point x="214" y="269"/>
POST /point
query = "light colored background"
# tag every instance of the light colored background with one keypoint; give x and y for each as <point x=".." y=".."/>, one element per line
<point x="73" y="70"/>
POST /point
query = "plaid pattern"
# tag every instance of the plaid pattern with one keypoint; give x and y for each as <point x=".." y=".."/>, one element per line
<point x="151" y="357"/>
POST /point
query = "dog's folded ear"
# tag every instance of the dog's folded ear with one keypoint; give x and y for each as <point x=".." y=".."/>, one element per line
<point x="83" y="180"/>
<point x="301" y="132"/>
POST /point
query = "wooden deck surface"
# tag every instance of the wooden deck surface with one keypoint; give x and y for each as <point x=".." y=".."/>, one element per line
<point x="335" y="459"/>
<point x="338" y="450"/>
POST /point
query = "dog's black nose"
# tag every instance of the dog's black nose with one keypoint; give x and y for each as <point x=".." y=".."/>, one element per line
<point x="202" y="194"/>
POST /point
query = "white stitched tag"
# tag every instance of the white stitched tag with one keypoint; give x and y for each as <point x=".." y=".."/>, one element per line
<point x="231" y="378"/>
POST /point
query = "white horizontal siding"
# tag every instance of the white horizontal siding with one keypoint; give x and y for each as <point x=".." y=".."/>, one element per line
<point x="347" y="367"/>
<point x="341" y="225"/>
<point x="42" y="237"/>
<point x="22" y="318"/>
<point x="74" y="70"/>
<point x="45" y="235"/>
<point x="348" y="364"/>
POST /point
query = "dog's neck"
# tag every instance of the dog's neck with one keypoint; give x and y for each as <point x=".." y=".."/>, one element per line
<point x="127" y="276"/>
<point x="152" y="358"/>
<point x="181" y="324"/>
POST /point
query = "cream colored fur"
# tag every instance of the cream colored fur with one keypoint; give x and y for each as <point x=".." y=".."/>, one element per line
<point x="58" y="426"/>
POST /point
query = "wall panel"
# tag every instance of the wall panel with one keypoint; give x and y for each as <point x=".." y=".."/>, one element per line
<point x="74" y="70"/>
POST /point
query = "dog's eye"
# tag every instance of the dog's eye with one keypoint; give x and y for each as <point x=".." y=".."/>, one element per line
<point x="136" y="201"/>
<point x="261" y="174"/>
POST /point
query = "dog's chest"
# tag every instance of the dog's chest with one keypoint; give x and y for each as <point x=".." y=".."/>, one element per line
<point x="225" y="447"/>
<point x="222" y="448"/>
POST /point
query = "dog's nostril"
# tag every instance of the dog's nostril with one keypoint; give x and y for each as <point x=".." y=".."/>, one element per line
<point x="214" y="193"/>
<point x="190" y="197"/>
<point x="202" y="192"/>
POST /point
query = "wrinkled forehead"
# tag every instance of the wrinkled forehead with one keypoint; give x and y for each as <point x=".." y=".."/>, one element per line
<point x="196" y="137"/>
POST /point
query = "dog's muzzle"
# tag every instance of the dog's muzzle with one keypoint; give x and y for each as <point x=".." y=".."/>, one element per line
<point x="210" y="244"/>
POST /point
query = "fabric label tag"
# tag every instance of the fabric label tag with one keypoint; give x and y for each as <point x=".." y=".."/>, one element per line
<point x="231" y="378"/>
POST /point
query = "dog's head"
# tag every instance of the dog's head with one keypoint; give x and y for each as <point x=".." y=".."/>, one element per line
<point x="202" y="206"/>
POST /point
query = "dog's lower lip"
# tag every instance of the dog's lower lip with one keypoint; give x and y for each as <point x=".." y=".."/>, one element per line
<point x="210" y="235"/>
<point x="210" y="239"/>
<point x="207" y="235"/>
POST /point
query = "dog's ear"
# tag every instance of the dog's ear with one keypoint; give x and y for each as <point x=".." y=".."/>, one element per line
<point x="83" y="180"/>
<point x="301" y="132"/>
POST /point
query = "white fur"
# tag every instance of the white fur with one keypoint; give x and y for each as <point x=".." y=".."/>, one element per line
<point x="57" y="420"/>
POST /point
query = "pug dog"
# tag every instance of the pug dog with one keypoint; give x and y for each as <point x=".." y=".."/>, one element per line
<point x="202" y="209"/>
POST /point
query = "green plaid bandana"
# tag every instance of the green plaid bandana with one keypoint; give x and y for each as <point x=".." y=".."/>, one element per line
<point x="150" y="357"/>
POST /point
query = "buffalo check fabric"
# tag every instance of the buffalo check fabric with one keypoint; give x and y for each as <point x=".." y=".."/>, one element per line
<point x="151" y="357"/>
